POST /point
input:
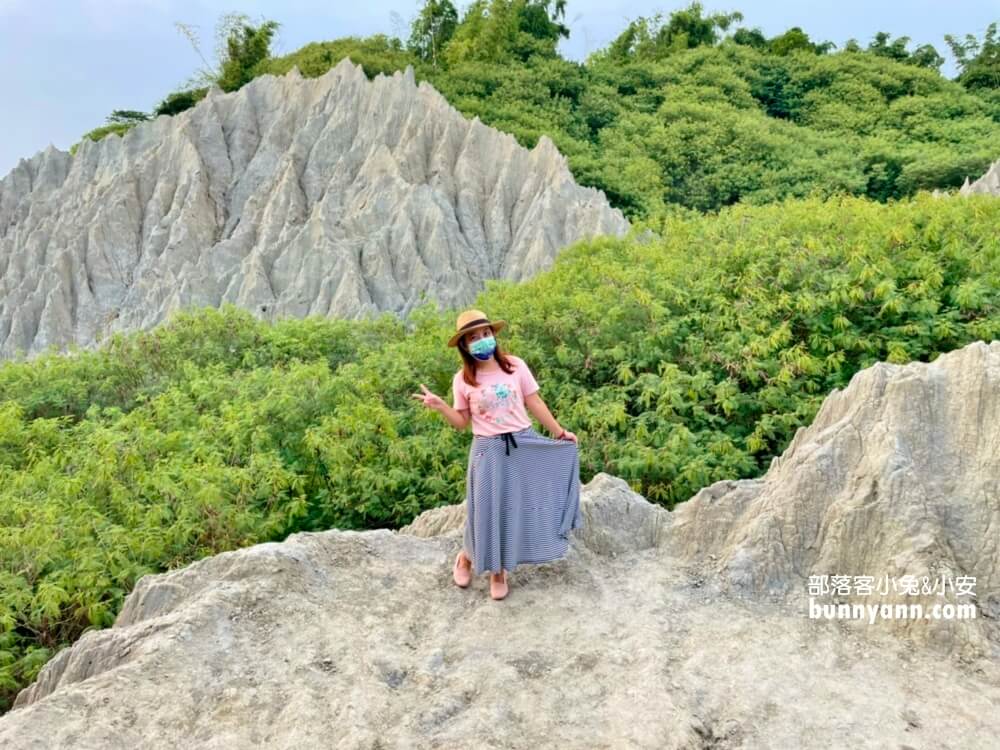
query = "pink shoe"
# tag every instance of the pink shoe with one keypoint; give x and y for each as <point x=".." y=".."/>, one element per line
<point x="499" y="589"/>
<point x="462" y="574"/>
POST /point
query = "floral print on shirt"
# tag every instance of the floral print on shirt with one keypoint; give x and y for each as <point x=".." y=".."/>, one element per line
<point x="492" y="400"/>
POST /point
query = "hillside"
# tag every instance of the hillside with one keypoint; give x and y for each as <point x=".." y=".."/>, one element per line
<point x="686" y="108"/>
<point x="334" y="196"/>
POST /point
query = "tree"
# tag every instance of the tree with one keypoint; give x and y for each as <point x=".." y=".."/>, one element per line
<point x="796" y="39"/>
<point x="246" y="47"/>
<point x="178" y="101"/>
<point x="652" y="39"/>
<point x="119" y="122"/>
<point x="239" y="46"/>
<point x="432" y="28"/>
<point x="924" y="56"/>
<point x="750" y="38"/>
<point x="130" y="116"/>
<point x="497" y="30"/>
<point x="979" y="61"/>
<point x="539" y="22"/>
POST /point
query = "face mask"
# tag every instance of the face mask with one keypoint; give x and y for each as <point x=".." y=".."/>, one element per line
<point x="482" y="349"/>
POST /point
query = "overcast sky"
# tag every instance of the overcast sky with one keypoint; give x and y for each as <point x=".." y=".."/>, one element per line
<point x="65" y="65"/>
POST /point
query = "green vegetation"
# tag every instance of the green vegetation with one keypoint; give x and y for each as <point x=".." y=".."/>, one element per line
<point x="783" y="176"/>
<point x="507" y="31"/>
<point x="979" y="61"/>
<point x="924" y="56"/>
<point x="687" y="109"/>
<point x="246" y="47"/>
<point x="240" y="48"/>
<point x="433" y="27"/>
<point x="376" y="54"/>
<point x="678" y="362"/>
<point x="119" y="121"/>
<point x="180" y="100"/>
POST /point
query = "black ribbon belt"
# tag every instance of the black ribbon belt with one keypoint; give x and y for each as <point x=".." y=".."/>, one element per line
<point x="508" y="438"/>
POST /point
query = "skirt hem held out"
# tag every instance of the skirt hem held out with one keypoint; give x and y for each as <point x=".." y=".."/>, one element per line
<point x="522" y="499"/>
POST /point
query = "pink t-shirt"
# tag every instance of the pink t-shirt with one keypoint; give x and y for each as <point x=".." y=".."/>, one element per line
<point x="497" y="402"/>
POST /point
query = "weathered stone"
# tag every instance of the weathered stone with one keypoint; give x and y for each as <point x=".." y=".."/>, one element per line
<point x="659" y="629"/>
<point x="898" y="474"/>
<point x="334" y="196"/>
<point x="989" y="183"/>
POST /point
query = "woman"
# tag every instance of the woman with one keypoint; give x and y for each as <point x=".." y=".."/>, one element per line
<point x="522" y="489"/>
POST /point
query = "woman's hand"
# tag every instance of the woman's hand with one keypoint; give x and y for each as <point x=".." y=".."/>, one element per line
<point x="569" y="436"/>
<point x="429" y="399"/>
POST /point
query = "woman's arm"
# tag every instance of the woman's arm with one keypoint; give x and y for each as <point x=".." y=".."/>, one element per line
<point x="458" y="419"/>
<point x="533" y="402"/>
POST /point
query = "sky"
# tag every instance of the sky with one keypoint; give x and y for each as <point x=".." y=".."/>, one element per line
<point x="65" y="65"/>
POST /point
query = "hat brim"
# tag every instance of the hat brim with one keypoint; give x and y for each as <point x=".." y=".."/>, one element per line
<point x="496" y="325"/>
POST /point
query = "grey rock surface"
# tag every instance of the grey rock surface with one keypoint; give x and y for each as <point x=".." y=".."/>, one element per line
<point x="332" y="196"/>
<point x="898" y="474"/>
<point x="989" y="183"/>
<point x="657" y="629"/>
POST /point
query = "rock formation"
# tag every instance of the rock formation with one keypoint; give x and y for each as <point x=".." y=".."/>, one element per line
<point x="658" y="629"/>
<point x="989" y="183"/>
<point x="334" y="196"/>
<point x="898" y="474"/>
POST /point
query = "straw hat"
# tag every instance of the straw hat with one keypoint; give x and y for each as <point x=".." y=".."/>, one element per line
<point x="470" y="320"/>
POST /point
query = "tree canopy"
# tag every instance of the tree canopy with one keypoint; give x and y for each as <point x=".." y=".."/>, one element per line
<point x="685" y="108"/>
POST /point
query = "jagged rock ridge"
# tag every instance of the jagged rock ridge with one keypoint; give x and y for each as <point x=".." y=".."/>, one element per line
<point x="898" y="474"/>
<point x="657" y="630"/>
<point x="989" y="183"/>
<point x="334" y="196"/>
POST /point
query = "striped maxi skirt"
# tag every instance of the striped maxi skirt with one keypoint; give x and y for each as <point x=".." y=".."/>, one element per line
<point x="522" y="499"/>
